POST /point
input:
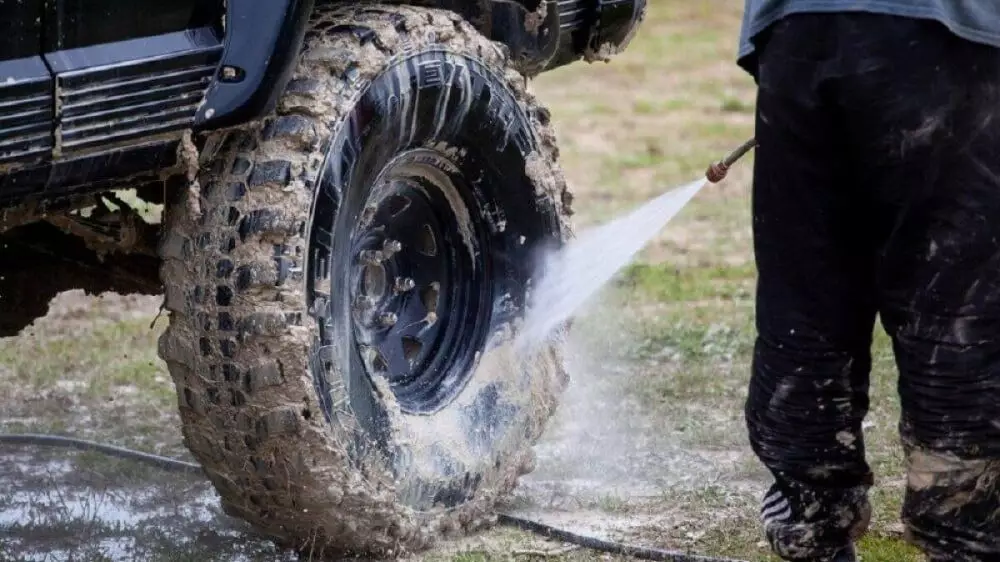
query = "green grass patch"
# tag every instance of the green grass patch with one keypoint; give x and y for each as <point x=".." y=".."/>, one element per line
<point x="694" y="345"/>
<point x="99" y="357"/>
<point x="877" y="548"/>
<point x="664" y="283"/>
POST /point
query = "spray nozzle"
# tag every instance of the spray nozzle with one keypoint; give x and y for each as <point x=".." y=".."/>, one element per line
<point x="717" y="171"/>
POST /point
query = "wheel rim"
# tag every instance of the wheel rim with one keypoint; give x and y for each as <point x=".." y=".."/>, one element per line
<point x="476" y="148"/>
<point x="419" y="297"/>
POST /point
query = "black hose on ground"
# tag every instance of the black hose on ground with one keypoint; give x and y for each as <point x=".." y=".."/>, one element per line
<point x="164" y="463"/>
<point x="184" y="467"/>
<point x="600" y="545"/>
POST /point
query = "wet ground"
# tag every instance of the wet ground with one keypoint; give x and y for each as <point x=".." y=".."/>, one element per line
<point x="89" y="370"/>
<point x="601" y="461"/>
<point x="61" y="505"/>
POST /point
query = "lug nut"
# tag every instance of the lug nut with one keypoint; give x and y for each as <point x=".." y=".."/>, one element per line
<point x="387" y="319"/>
<point x="390" y="247"/>
<point x="404" y="284"/>
<point x="371" y="257"/>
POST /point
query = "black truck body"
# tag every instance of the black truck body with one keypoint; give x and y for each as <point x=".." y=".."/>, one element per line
<point x="94" y="93"/>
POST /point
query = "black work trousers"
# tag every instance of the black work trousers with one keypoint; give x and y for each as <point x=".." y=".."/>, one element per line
<point x="877" y="193"/>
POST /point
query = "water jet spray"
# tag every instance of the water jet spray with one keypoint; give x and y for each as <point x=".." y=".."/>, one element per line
<point x="581" y="268"/>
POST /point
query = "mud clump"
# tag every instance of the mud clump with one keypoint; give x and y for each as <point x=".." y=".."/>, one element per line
<point x="534" y="20"/>
<point x="604" y="53"/>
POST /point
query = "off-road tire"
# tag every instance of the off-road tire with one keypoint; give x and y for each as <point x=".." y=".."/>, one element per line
<point x="282" y="427"/>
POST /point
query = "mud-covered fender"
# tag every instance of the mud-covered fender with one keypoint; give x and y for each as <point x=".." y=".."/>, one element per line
<point x="263" y="39"/>
<point x="546" y="34"/>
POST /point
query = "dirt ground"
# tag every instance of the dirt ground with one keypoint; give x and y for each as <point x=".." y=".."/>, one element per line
<point x="649" y="445"/>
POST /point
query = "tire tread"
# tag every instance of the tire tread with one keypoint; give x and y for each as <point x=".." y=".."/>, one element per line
<point x="236" y="343"/>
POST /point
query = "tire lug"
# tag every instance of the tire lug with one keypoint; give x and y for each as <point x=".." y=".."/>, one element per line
<point x="364" y="303"/>
<point x="390" y="247"/>
<point x="368" y="355"/>
<point x="371" y="257"/>
<point x="404" y="284"/>
<point x="387" y="319"/>
<point x="318" y="306"/>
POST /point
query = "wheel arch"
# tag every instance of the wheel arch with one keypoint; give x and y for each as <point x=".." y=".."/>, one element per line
<point x="542" y="35"/>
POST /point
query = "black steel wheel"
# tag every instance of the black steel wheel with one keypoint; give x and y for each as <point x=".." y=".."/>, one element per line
<point x="419" y="276"/>
<point x="345" y="292"/>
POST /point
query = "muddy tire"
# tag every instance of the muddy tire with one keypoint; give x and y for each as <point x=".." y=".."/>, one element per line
<point x="344" y="281"/>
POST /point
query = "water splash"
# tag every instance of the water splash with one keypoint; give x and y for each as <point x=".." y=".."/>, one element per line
<point x="580" y="268"/>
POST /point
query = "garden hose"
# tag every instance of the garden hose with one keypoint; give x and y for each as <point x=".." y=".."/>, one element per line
<point x="542" y="529"/>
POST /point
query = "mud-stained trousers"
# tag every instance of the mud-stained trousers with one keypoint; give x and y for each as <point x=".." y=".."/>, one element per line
<point x="877" y="193"/>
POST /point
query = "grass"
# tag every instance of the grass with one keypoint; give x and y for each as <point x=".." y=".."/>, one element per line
<point x="110" y="356"/>
<point x="93" y="360"/>
<point x="679" y="321"/>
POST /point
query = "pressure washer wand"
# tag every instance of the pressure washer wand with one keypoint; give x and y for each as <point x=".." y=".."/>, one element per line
<point x="717" y="171"/>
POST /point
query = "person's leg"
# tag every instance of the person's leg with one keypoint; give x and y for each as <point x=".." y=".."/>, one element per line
<point x="815" y="300"/>
<point x="930" y="106"/>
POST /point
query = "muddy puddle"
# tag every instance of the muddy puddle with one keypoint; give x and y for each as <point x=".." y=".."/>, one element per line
<point x="63" y="505"/>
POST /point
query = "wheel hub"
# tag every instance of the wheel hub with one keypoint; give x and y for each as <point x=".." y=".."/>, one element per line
<point x="416" y="295"/>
